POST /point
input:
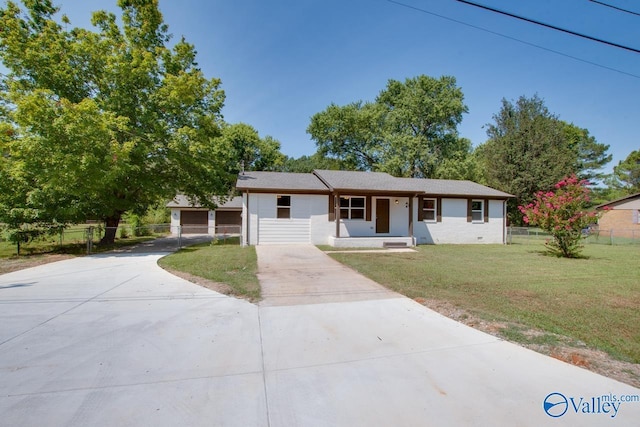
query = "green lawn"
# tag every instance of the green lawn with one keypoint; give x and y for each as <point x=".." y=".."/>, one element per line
<point x="595" y="300"/>
<point x="230" y="264"/>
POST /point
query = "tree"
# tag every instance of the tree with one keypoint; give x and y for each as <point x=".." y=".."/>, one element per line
<point x="562" y="214"/>
<point x="410" y="129"/>
<point x="591" y="156"/>
<point x="307" y="164"/>
<point x="246" y="150"/>
<point x="98" y="123"/>
<point x="351" y="133"/>
<point x="421" y="119"/>
<point x="626" y="175"/>
<point x="526" y="151"/>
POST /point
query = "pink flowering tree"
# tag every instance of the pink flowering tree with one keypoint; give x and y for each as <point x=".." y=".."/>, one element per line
<point x="562" y="213"/>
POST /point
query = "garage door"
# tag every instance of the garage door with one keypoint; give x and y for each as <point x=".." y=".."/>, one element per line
<point x="287" y="231"/>
<point x="228" y="218"/>
<point x="228" y="222"/>
<point x="194" y="222"/>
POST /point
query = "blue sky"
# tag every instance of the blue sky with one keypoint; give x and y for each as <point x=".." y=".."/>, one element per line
<point x="281" y="61"/>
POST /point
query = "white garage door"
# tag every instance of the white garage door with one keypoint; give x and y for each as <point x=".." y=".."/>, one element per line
<point x="296" y="230"/>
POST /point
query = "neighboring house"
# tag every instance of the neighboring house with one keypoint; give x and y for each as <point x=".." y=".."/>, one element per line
<point x="192" y="218"/>
<point x="367" y="209"/>
<point x="621" y="217"/>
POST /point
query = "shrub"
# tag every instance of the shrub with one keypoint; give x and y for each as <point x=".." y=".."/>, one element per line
<point x="562" y="214"/>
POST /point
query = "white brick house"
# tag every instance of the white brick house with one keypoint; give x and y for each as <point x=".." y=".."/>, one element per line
<point x="373" y="209"/>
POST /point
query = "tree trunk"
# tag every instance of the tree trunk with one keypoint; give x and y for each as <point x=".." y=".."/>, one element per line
<point x="111" y="226"/>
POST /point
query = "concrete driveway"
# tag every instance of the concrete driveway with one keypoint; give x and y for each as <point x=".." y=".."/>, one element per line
<point x="115" y="340"/>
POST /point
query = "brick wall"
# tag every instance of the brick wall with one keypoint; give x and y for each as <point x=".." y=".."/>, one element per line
<point x="621" y="222"/>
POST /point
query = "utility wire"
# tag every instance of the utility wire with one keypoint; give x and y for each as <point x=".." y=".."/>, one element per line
<point x="514" y="39"/>
<point x="615" y="7"/>
<point x="553" y="27"/>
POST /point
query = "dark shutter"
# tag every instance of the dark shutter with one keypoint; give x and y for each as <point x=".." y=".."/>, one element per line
<point x="420" y="208"/>
<point x="469" y="210"/>
<point x="332" y="207"/>
<point x="368" y="208"/>
<point x="486" y="210"/>
<point x="439" y="208"/>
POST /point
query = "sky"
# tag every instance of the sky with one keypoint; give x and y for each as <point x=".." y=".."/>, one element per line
<point x="282" y="61"/>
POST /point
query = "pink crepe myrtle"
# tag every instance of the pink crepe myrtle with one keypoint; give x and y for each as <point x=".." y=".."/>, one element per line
<point x="562" y="213"/>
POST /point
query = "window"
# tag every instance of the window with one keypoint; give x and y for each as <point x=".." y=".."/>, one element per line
<point x="284" y="207"/>
<point x="352" y="207"/>
<point x="429" y="209"/>
<point x="477" y="211"/>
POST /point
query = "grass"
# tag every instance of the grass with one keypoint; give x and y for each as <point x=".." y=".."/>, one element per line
<point x="595" y="300"/>
<point x="230" y="263"/>
<point x="49" y="246"/>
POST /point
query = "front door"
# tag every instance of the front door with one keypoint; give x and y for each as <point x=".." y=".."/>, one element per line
<point x="382" y="215"/>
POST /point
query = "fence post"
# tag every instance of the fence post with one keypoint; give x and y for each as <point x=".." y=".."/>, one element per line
<point x="89" y="240"/>
<point x="179" y="236"/>
<point x="611" y="237"/>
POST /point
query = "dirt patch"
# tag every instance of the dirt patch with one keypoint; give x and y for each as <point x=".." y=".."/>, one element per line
<point x="7" y="265"/>
<point x="205" y="283"/>
<point x="561" y="348"/>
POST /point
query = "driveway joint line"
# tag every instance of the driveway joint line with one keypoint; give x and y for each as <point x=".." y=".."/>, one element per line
<point x="67" y="311"/>
<point x="175" y="380"/>
<point x="387" y="356"/>
<point x="264" y="375"/>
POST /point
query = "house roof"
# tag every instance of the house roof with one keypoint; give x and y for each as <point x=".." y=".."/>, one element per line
<point x="618" y="201"/>
<point x="278" y="181"/>
<point x="325" y="181"/>
<point x="182" y="201"/>
<point x="452" y="187"/>
<point x="342" y="181"/>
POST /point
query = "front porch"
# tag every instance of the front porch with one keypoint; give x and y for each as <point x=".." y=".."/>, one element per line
<point x="371" y="242"/>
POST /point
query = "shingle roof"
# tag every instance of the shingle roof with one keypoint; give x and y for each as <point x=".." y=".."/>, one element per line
<point x="361" y="181"/>
<point x="181" y="201"/>
<point x="280" y="181"/>
<point x="325" y="181"/>
<point x="451" y="187"/>
<point x="618" y="201"/>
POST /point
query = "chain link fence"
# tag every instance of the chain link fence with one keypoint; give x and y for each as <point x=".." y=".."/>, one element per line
<point x="528" y="235"/>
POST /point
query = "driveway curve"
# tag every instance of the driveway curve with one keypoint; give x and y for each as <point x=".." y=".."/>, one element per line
<point x="115" y="340"/>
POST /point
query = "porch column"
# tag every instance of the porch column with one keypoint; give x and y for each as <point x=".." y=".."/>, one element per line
<point x="411" y="216"/>
<point x="336" y="210"/>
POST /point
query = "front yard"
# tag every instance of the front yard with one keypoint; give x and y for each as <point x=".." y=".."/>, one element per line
<point x="595" y="301"/>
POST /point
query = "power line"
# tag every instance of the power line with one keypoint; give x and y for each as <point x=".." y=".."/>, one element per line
<point x="514" y="39"/>
<point x="553" y="27"/>
<point x="615" y="7"/>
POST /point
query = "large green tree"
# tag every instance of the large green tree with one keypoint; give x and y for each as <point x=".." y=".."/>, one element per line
<point x="351" y="133"/>
<point x="307" y="164"/>
<point x="98" y="123"/>
<point x="591" y="156"/>
<point x="247" y="151"/>
<point x="626" y="175"/>
<point x="421" y="119"/>
<point x="410" y="130"/>
<point x="529" y="149"/>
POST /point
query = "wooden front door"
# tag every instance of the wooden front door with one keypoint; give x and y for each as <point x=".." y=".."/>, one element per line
<point x="382" y="215"/>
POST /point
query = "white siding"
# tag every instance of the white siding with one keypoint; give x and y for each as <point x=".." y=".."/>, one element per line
<point x="284" y="231"/>
<point x="308" y="222"/>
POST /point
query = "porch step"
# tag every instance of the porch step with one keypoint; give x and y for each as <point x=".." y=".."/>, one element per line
<point x="394" y="244"/>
